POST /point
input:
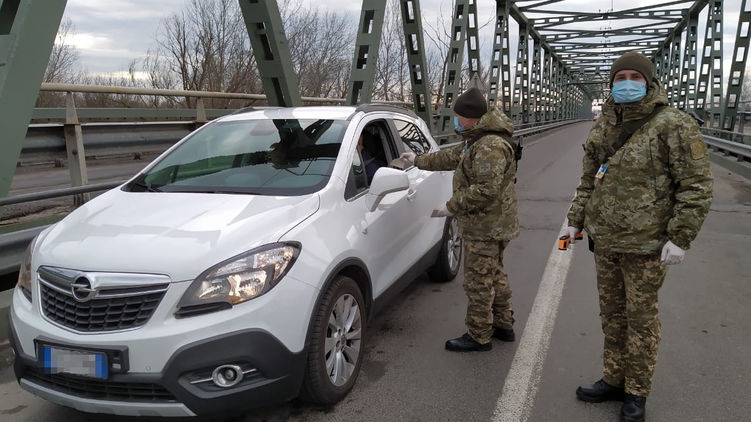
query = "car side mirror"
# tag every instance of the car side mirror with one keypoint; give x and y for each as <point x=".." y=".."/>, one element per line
<point x="386" y="180"/>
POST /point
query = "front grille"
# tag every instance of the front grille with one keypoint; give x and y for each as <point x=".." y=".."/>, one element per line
<point x="112" y="309"/>
<point x="99" y="389"/>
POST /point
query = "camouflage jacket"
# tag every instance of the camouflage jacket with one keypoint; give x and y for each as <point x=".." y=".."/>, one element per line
<point x="657" y="187"/>
<point x="484" y="199"/>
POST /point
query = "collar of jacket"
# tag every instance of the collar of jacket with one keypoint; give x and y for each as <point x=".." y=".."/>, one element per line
<point x="492" y="122"/>
<point x="656" y="95"/>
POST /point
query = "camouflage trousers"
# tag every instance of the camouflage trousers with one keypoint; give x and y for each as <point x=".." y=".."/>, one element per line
<point x="487" y="288"/>
<point x="628" y="286"/>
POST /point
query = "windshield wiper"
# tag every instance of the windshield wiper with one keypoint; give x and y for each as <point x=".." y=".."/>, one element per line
<point x="147" y="186"/>
<point x="227" y="191"/>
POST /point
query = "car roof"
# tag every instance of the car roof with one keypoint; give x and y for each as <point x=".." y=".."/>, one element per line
<point x="317" y="112"/>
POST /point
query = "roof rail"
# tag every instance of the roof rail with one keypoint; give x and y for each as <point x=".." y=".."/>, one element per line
<point x="251" y="108"/>
<point x="371" y="107"/>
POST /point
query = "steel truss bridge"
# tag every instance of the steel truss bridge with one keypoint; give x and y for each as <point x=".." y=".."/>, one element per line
<point x="560" y="70"/>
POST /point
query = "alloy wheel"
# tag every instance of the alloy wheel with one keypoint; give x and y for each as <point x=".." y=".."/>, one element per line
<point x="343" y="339"/>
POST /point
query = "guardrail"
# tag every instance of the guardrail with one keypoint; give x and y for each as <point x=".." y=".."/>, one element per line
<point x="553" y="124"/>
<point x="739" y="150"/>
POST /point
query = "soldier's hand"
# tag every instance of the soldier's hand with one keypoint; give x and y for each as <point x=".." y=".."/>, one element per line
<point x="409" y="157"/>
<point x="672" y="254"/>
<point x="441" y="211"/>
<point x="572" y="231"/>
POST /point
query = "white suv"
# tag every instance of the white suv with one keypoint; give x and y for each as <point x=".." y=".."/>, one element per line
<point x="239" y="269"/>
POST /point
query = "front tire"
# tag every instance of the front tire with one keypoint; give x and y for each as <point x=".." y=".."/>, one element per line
<point x="446" y="267"/>
<point x="336" y="343"/>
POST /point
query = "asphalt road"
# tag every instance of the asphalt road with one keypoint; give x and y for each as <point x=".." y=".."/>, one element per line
<point x="703" y="374"/>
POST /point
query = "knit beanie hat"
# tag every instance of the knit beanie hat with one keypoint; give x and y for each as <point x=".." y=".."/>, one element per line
<point x="471" y="104"/>
<point x="633" y="61"/>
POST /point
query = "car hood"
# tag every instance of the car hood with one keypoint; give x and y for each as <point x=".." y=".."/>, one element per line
<point x="176" y="234"/>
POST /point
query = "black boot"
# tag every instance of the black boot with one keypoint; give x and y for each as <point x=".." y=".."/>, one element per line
<point x="504" y="334"/>
<point x="465" y="343"/>
<point x="599" y="392"/>
<point x="633" y="409"/>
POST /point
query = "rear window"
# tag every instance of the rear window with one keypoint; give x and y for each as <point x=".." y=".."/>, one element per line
<point x="261" y="157"/>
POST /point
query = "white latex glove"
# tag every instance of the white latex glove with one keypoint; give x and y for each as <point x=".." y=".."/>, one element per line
<point x="672" y="254"/>
<point x="572" y="231"/>
<point x="409" y="157"/>
<point x="441" y="211"/>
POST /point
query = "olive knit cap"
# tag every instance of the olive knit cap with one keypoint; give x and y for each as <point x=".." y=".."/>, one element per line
<point x="633" y="61"/>
<point x="471" y="104"/>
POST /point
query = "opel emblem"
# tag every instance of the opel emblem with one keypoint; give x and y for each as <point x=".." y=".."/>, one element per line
<point x="82" y="290"/>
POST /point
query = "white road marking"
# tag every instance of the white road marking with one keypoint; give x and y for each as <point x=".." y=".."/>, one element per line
<point x="523" y="380"/>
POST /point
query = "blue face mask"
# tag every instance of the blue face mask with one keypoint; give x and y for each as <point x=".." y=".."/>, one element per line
<point x="628" y="91"/>
<point x="457" y="126"/>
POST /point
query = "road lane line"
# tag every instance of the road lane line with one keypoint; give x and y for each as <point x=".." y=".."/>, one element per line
<point x="523" y="380"/>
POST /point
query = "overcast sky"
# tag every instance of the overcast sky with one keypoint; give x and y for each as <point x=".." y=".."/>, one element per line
<point x="109" y="34"/>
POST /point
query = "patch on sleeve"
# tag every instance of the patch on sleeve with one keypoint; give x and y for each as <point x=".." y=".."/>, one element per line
<point x="698" y="149"/>
<point x="484" y="169"/>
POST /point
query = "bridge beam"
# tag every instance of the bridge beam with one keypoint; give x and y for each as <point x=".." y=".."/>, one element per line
<point x="454" y="66"/>
<point x="271" y="51"/>
<point x="369" y="30"/>
<point x="473" y="40"/>
<point x="738" y="67"/>
<point x="27" y="34"/>
<point x="499" y="93"/>
<point x="418" y="71"/>
<point x="688" y="73"/>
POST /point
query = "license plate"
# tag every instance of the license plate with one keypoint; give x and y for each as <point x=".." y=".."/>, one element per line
<point x="57" y="360"/>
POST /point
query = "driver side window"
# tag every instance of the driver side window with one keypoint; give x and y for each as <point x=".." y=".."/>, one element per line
<point x="369" y="156"/>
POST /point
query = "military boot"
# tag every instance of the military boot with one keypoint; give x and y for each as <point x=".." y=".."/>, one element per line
<point x="633" y="409"/>
<point x="465" y="343"/>
<point x="599" y="392"/>
<point x="504" y="334"/>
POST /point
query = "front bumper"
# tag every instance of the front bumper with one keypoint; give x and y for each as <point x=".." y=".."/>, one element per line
<point x="276" y="377"/>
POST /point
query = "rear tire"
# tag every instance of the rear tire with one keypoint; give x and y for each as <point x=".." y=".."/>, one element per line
<point x="336" y="343"/>
<point x="449" y="259"/>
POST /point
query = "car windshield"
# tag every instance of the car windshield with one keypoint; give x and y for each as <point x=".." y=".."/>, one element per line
<point x="261" y="157"/>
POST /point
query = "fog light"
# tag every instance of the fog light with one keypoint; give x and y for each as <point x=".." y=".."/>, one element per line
<point x="227" y="376"/>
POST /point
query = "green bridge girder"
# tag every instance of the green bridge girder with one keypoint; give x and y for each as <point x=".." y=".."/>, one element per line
<point x="562" y="60"/>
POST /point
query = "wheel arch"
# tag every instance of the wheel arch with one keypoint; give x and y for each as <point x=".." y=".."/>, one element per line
<point x="355" y="269"/>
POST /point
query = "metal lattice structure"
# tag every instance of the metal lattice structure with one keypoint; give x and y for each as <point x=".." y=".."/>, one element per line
<point x="561" y="67"/>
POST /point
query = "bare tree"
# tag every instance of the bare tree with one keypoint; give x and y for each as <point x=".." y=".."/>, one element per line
<point x="321" y="45"/>
<point x="63" y="65"/>
<point x="438" y="36"/>
<point x="205" y="48"/>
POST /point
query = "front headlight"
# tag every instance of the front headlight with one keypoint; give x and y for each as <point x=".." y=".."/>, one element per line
<point x="239" y="279"/>
<point x="24" y="273"/>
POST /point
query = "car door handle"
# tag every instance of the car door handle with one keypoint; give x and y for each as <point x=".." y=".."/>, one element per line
<point x="411" y="195"/>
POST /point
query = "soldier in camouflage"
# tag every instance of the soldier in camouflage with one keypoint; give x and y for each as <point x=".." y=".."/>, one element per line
<point x="642" y="200"/>
<point x="484" y="203"/>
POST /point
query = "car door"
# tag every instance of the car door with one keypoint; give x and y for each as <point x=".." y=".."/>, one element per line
<point x="428" y="190"/>
<point x="384" y="236"/>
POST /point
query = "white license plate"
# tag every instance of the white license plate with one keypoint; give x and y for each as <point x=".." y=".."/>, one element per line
<point x="87" y="364"/>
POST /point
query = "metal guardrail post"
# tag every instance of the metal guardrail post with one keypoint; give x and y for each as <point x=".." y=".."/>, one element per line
<point x="200" y="113"/>
<point x="74" y="148"/>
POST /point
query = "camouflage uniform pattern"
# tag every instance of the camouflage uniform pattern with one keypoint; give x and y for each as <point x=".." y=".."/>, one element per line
<point x="484" y="203"/>
<point x="487" y="288"/>
<point x="484" y="199"/>
<point x="657" y="187"/>
<point x="628" y="286"/>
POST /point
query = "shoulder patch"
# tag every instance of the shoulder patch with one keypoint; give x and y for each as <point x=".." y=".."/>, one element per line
<point x="698" y="149"/>
<point x="484" y="169"/>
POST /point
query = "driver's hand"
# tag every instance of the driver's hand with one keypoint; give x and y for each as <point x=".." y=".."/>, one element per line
<point x="441" y="211"/>
<point x="409" y="157"/>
